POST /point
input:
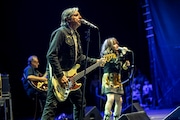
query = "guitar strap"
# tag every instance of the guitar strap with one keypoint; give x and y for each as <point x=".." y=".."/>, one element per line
<point x="75" y="42"/>
<point x="50" y="71"/>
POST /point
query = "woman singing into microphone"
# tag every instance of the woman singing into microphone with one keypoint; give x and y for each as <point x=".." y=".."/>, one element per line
<point x="111" y="80"/>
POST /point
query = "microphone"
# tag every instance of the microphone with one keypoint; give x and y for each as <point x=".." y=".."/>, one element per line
<point x="124" y="49"/>
<point x="83" y="21"/>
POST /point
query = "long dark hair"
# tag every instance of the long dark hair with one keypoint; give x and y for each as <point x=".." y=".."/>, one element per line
<point x="107" y="46"/>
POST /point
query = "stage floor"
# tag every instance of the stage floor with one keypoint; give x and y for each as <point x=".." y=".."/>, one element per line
<point x="158" y="114"/>
<point x="153" y="114"/>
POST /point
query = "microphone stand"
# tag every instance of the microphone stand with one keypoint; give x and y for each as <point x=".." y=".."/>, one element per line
<point x="84" y="82"/>
<point x="131" y="76"/>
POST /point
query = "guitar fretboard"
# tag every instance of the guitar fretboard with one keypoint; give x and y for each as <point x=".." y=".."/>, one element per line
<point x="89" y="69"/>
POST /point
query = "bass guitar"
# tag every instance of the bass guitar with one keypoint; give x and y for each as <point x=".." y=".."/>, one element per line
<point x="62" y="93"/>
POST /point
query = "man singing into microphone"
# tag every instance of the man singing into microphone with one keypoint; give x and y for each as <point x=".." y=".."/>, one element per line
<point x="65" y="51"/>
<point x="111" y="80"/>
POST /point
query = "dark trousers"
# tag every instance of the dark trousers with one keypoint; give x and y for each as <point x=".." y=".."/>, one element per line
<point x="75" y="98"/>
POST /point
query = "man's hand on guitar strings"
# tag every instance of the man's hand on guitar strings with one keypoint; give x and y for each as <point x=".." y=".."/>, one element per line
<point x="63" y="81"/>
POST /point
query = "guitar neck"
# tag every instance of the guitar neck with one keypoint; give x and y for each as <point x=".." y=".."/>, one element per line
<point x="89" y="69"/>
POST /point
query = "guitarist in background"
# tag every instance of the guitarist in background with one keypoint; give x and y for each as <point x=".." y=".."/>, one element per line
<point x="64" y="52"/>
<point x="30" y="75"/>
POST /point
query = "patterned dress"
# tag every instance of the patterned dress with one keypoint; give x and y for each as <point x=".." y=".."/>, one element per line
<point x="111" y="80"/>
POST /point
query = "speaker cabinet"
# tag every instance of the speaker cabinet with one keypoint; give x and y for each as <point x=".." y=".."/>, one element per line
<point x="4" y="83"/>
<point x="141" y="115"/>
<point x="92" y="113"/>
<point x="134" y="112"/>
<point x="174" y="115"/>
<point x="134" y="107"/>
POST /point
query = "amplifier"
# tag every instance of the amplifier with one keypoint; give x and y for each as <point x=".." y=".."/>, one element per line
<point x="4" y="84"/>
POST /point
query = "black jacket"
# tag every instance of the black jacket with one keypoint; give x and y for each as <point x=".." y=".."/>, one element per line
<point x="61" y="52"/>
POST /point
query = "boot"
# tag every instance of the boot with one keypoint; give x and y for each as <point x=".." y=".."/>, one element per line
<point x="116" y="118"/>
<point x="106" y="117"/>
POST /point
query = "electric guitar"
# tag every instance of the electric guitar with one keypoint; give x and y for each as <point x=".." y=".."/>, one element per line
<point x="39" y="85"/>
<point x="62" y="93"/>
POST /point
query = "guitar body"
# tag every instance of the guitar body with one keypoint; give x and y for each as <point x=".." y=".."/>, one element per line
<point x="62" y="93"/>
<point x="41" y="86"/>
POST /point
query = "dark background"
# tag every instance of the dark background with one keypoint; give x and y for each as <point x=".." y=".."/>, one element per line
<point x="26" y="26"/>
